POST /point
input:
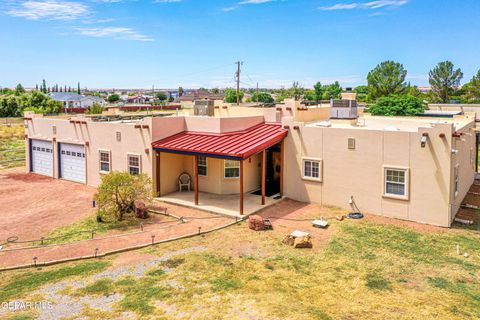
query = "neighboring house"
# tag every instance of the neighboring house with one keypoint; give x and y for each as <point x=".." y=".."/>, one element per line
<point x="75" y="100"/>
<point x="201" y="95"/>
<point x="139" y="99"/>
<point x="417" y="169"/>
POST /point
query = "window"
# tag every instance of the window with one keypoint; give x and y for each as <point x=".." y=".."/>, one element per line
<point x="134" y="164"/>
<point x="232" y="169"/>
<point x="312" y="169"/>
<point x="104" y="161"/>
<point x="396" y="182"/>
<point x="202" y="166"/>
<point x="456" y="185"/>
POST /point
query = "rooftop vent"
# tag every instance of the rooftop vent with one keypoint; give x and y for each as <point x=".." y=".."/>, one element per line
<point x="343" y="109"/>
<point x="204" y="108"/>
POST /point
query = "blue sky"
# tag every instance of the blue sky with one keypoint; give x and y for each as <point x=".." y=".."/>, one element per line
<point x="194" y="43"/>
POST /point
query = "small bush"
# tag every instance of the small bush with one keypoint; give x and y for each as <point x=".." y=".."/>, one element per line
<point x="118" y="192"/>
<point x="397" y="105"/>
<point x="375" y="281"/>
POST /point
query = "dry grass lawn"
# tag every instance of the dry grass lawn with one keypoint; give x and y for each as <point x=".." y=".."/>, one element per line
<point x="365" y="270"/>
<point x="12" y="139"/>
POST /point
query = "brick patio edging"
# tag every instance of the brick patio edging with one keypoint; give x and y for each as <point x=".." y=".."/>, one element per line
<point x="54" y="262"/>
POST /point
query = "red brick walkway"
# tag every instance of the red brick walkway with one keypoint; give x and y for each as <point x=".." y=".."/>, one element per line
<point x="87" y="248"/>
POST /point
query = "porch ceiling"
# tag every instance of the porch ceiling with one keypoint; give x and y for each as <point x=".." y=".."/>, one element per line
<point x="234" y="145"/>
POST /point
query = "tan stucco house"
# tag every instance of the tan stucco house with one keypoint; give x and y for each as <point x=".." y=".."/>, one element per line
<point x="416" y="169"/>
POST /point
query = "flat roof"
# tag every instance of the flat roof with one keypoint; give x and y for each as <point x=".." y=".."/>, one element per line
<point x="236" y="145"/>
<point x="406" y="124"/>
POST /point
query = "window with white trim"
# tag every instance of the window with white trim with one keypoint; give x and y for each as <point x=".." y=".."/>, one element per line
<point x="133" y="164"/>
<point x="202" y="166"/>
<point x="312" y="169"/>
<point x="232" y="169"/>
<point x="396" y="182"/>
<point x="105" y="161"/>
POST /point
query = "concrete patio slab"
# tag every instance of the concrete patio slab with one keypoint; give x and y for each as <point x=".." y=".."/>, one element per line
<point x="227" y="205"/>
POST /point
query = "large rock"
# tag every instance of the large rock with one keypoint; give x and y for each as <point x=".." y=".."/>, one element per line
<point x="255" y="222"/>
<point x="141" y="210"/>
<point x="302" y="242"/>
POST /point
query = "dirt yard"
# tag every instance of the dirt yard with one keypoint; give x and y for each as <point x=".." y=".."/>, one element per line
<point x="33" y="205"/>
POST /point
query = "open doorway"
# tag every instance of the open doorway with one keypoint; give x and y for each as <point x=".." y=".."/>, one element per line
<point x="273" y="171"/>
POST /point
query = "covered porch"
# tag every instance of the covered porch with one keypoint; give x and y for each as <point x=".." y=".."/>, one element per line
<point x="236" y="173"/>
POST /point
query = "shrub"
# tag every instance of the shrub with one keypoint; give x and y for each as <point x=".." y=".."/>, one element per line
<point x="118" y="192"/>
<point x="95" y="108"/>
<point x="397" y="105"/>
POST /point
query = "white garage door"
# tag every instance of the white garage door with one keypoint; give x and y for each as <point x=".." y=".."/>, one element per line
<point x="72" y="162"/>
<point x="42" y="157"/>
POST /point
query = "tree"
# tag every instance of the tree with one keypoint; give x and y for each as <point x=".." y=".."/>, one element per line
<point x="397" y="105"/>
<point x="95" y="108"/>
<point x="36" y="87"/>
<point x="118" y="192"/>
<point x="444" y="80"/>
<point x="113" y="98"/>
<point x="231" y="96"/>
<point x="472" y="89"/>
<point x="319" y="91"/>
<point x="19" y="89"/>
<point x="263" y="97"/>
<point x="387" y="78"/>
<point x="44" y="86"/>
<point x="161" y="96"/>
<point x="78" y="88"/>
<point x="297" y="90"/>
<point x="215" y="91"/>
<point x="332" y="91"/>
<point x="180" y="91"/>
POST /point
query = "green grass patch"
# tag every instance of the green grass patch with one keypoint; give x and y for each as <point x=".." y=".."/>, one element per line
<point x="31" y="280"/>
<point x="376" y="281"/>
<point x="81" y="230"/>
<point x="140" y="293"/>
<point x="225" y="282"/>
<point x="99" y="287"/>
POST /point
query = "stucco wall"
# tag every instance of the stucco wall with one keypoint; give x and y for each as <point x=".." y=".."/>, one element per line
<point x="359" y="172"/>
<point x="172" y="165"/>
<point x="100" y="136"/>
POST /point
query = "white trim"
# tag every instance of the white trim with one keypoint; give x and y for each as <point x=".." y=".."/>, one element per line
<point x="139" y="162"/>
<point x="320" y="169"/>
<point x="224" y="168"/>
<point x="406" y="196"/>
<point x="100" y="161"/>
<point x="206" y="167"/>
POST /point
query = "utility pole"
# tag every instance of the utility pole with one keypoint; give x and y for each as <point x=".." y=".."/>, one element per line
<point x="257" y="93"/>
<point x="238" y="81"/>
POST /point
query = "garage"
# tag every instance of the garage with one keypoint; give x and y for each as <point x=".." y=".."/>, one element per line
<point x="72" y="162"/>
<point x="41" y="157"/>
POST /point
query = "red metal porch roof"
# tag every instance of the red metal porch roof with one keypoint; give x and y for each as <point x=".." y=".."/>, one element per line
<point x="239" y="144"/>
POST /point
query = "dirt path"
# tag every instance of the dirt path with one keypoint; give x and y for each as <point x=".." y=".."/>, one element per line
<point x="32" y="205"/>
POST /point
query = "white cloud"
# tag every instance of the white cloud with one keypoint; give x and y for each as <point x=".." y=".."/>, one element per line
<point x="228" y="9"/>
<point x="49" y="10"/>
<point x="167" y="1"/>
<point x="244" y="2"/>
<point x="120" y="33"/>
<point x="255" y="1"/>
<point x="378" y="4"/>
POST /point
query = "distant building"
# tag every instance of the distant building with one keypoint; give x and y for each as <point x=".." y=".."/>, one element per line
<point x="75" y="100"/>
<point x="201" y="95"/>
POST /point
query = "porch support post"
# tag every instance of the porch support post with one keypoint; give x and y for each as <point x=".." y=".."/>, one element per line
<point x="195" y="170"/>
<point x="282" y="164"/>
<point x="157" y="172"/>
<point x="241" y="186"/>
<point x="264" y="174"/>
